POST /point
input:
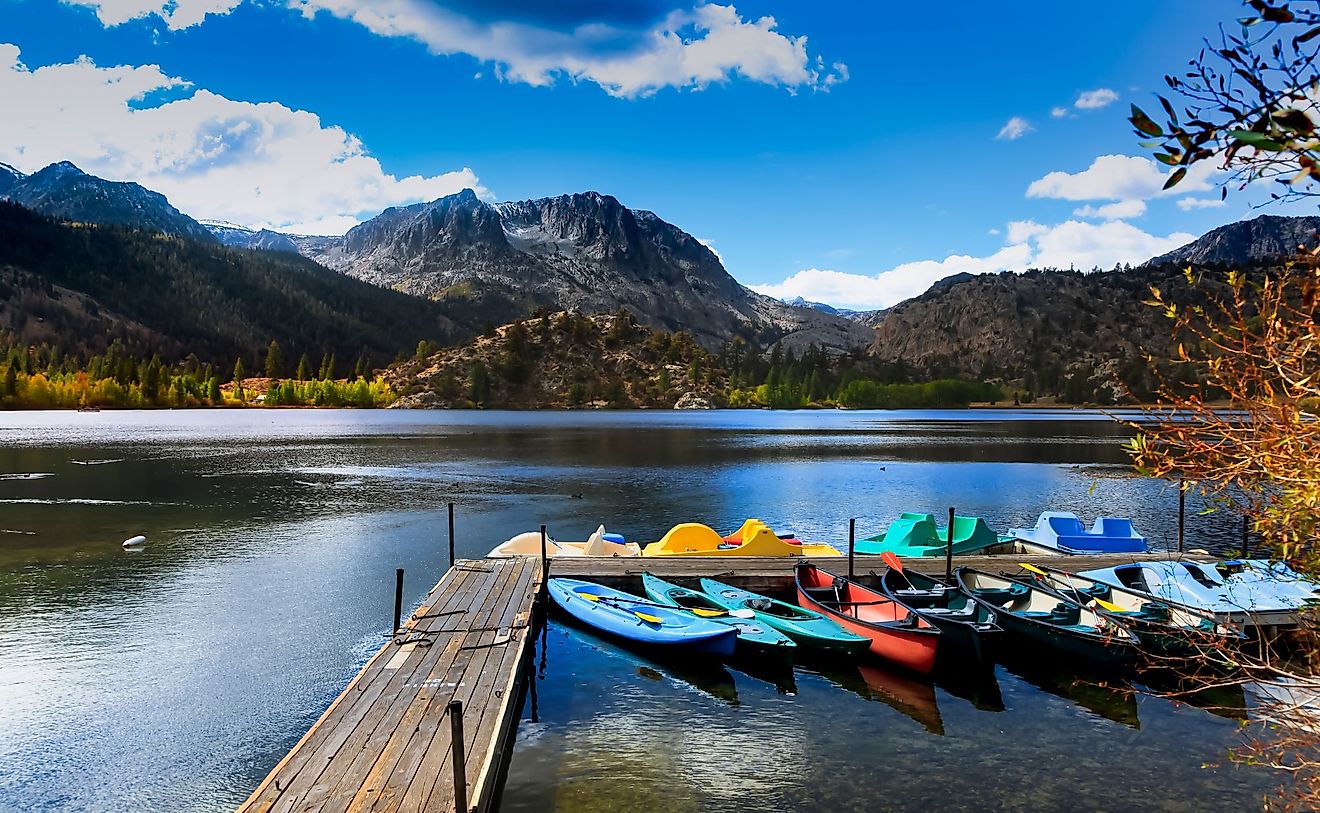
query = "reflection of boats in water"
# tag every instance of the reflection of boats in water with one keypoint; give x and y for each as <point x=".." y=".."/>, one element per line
<point x="913" y="697"/>
<point x="1287" y="703"/>
<point x="778" y="673"/>
<point x="977" y="686"/>
<point x="1106" y="696"/>
<point x="1225" y="700"/>
<point x="905" y="693"/>
<point x="705" y="675"/>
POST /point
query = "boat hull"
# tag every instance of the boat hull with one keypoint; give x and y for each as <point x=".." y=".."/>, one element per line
<point x="814" y="632"/>
<point x="966" y="626"/>
<point x="755" y="639"/>
<point x="1108" y="645"/>
<point x="904" y="639"/>
<point x="616" y="613"/>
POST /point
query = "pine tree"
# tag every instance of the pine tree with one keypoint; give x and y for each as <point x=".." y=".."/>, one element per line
<point x="274" y="362"/>
<point x="213" y="391"/>
<point x="239" y="372"/>
<point x="304" y="368"/>
<point x="480" y="387"/>
<point x="11" y="381"/>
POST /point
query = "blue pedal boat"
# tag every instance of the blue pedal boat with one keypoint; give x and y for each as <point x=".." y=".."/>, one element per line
<point x="1064" y="532"/>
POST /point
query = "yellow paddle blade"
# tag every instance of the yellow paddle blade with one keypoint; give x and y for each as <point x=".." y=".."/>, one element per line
<point x="648" y="618"/>
<point x="704" y="613"/>
<point x="590" y="596"/>
<point x="1032" y="568"/>
<point x="1108" y="605"/>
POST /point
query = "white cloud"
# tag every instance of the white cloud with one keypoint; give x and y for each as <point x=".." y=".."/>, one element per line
<point x="705" y="241"/>
<point x="888" y="287"/>
<point x="993" y="232"/>
<point x="1014" y="129"/>
<point x="688" y="48"/>
<point x="1059" y="112"/>
<point x="260" y="165"/>
<point x="1031" y="245"/>
<point x="1095" y="99"/>
<point x="1189" y="203"/>
<point x="1118" y="177"/>
<point x="1120" y="210"/>
<point x="176" y="14"/>
<point x="1020" y="231"/>
<point x="1100" y="245"/>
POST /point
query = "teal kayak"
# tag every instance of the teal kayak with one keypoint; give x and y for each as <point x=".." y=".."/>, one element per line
<point x="807" y="627"/>
<point x="754" y="637"/>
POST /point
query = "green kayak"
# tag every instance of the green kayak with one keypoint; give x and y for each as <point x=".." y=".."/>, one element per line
<point x="914" y="535"/>
<point x="754" y="637"/>
<point x="807" y="627"/>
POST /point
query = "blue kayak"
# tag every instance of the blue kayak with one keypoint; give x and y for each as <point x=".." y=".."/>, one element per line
<point x="633" y="618"/>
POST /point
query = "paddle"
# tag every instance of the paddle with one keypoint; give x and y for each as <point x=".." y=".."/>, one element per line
<point x="647" y="617"/>
<point x="890" y="559"/>
<point x="1108" y="605"/>
<point x="700" y="612"/>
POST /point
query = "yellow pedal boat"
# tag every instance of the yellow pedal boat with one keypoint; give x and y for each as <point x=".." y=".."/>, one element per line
<point x="754" y="538"/>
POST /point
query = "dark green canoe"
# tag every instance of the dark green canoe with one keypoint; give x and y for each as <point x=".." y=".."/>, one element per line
<point x="1043" y="618"/>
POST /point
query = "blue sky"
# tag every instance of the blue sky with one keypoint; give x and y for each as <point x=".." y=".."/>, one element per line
<point x="848" y="152"/>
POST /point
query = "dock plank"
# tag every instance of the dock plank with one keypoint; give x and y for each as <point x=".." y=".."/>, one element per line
<point x="278" y="782"/>
<point x="364" y="752"/>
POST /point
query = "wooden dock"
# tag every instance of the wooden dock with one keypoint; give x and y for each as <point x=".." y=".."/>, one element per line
<point x="385" y="744"/>
<point x="775" y="574"/>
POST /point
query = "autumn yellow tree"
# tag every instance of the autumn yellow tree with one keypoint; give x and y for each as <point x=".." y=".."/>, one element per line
<point x="1244" y="425"/>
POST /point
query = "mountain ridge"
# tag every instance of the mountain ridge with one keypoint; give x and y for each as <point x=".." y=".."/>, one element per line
<point x="582" y="251"/>
<point x="64" y="191"/>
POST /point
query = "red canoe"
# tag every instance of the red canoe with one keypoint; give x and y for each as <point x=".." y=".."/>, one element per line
<point x="896" y="633"/>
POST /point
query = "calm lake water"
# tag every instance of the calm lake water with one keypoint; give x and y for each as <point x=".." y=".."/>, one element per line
<point x="175" y="678"/>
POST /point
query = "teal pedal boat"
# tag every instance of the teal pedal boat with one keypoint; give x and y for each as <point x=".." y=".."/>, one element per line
<point x="755" y="638"/>
<point x="916" y="535"/>
<point x="809" y="629"/>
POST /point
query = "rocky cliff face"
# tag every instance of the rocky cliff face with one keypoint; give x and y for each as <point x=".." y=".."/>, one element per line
<point x="584" y="252"/>
<point x="1264" y="238"/>
<point x="66" y="192"/>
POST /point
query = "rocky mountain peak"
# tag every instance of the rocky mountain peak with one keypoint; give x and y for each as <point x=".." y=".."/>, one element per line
<point x="64" y="191"/>
<point x="1263" y="238"/>
<point x="8" y="177"/>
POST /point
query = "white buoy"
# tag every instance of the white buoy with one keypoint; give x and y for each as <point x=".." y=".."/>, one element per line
<point x="136" y="542"/>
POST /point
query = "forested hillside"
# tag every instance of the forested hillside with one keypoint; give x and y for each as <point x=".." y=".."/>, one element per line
<point x="572" y="360"/>
<point x="79" y="288"/>
<point x="1078" y="337"/>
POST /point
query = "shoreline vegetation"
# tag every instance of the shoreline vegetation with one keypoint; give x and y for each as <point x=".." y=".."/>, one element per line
<point x="555" y="360"/>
